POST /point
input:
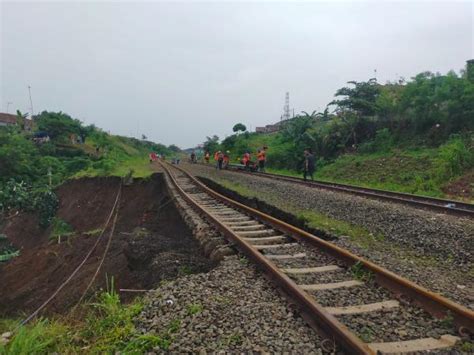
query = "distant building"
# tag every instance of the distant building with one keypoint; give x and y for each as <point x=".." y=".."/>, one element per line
<point x="270" y="128"/>
<point x="7" y="119"/>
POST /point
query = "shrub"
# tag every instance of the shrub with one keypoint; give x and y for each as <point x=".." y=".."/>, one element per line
<point x="46" y="203"/>
<point x="14" y="195"/>
<point x="455" y="157"/>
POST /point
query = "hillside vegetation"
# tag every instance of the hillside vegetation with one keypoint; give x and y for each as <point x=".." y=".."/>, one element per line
<point x="31" y="169"/>
<point x="414" y="136"/>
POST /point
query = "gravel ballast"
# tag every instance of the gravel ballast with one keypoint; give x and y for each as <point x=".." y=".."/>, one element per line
<point x="233" y="308"/>
<point x="431" y="249"/>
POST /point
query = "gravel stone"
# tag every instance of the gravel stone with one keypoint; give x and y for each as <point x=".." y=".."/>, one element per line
<point x="230" y="309"/>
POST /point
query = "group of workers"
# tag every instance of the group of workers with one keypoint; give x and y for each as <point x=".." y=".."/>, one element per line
<point x="222" y="160"/>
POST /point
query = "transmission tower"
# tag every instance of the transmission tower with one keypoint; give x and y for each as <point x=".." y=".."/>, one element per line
<point x="286" y="108"/>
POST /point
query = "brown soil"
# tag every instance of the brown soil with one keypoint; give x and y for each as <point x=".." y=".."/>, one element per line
<point x="462" y="187"/>
<point x="150" y="244"/>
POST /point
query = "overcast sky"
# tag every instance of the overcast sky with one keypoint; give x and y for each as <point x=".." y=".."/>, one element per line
<point x="178" y="71"/>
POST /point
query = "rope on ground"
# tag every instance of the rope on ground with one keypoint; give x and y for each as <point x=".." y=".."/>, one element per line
<point x="35" y="313"/>
<point x="107" y="247"/>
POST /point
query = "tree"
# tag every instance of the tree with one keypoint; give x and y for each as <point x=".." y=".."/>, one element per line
<point x="357" y="103"/>
<point x="239" y="127"/>
<point x="144" y="137"/>
<point x="58" y="125"/>
<point x="211" y="144"/>
<point x="360" y="99"/>
<point x="174" y="148"/>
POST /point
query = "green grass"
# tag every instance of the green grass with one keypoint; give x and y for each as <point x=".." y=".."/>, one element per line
<point x="139" y="165"/>
<point x="195" y="308"/>
<point x="357" y="234"/>
<point x="108" y="328"/>
<point x="239" y="188"/>
<point x="414" y="171"/>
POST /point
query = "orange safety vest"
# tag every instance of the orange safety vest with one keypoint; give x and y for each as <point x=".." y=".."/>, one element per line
<point x="215" y="156"/>
<point x="261" y="156"/>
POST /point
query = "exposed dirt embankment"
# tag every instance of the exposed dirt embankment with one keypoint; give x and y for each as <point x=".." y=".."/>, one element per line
<point x="151" y="243"/>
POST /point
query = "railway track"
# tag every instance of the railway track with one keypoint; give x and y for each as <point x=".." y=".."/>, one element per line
<point x="338" y="293"/>
<point x="451" y="207"/>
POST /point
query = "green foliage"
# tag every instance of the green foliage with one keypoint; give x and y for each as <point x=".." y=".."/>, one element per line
<point x="40" y="338"/>
<point x="58" y="125"/>
<point x="60" y="229"/>
<point x="14" y="195"/>
<point x="455" y="157"/>
<point x="374" y="119"/>
<point x="239" y="127"/>
<point x="46" y="204"/>
<point x="359" y="272"/>
<point x="108" y="328"/>
<point x="211" y="144"/>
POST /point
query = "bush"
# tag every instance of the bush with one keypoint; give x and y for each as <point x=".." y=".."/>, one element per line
<point x="455" y="157"/>
<point x="46" y="203"/>
<point x="14" y="195"/>
<point x="382" y="142"/>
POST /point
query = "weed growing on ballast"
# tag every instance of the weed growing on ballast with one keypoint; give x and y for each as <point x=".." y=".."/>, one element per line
<point x="359" y="272"/>
<point x="195" y="308"/>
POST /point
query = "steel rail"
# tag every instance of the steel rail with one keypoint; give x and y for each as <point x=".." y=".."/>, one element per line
<point x="325" y="321"/>
<point x="434" y="303"/>
<point x="452" y="207"/>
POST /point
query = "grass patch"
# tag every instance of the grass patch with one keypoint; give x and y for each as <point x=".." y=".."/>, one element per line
<point x="185" y="270"/>
<point x="195" y="308"/>
<point x="94" y="232"/>
<point x="357" y="234"/>
<point x="240" y="189"/>
<point x="415" y="171"/>
<point x="139" y="165"/>
<point x="108" y="328"/>
<point x="359" y="272"/>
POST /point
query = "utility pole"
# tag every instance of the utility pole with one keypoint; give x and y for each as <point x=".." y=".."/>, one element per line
<point x="31" y="102"/>
<point x="286" y="108"/>
<point x="8" y="105"/>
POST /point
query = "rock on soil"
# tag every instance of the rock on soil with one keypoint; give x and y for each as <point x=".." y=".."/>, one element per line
<point x="230" y="309"/>
<point x="446" y="242"/>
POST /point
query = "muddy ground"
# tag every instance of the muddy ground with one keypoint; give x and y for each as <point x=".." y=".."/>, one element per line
<point x="151" y="243"/>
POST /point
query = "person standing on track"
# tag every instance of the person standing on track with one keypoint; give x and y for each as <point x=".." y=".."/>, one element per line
<point x="220" y="159"/>
<point x="308" y="164"/>
<point x="206" y="157"/>
<point x="225" y="162"/>
<point x="262" y="157"/>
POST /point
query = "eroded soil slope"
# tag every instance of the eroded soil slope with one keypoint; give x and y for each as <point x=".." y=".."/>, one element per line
<point x="150" y="243"/>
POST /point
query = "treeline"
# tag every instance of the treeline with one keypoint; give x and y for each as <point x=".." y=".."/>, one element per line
<point x="58" y="147"/>
<point x="429" y="110"/>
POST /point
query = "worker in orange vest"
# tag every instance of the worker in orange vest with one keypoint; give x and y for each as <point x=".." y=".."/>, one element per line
<point x="246" y="159"/>
<point x="226" y="160"/>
